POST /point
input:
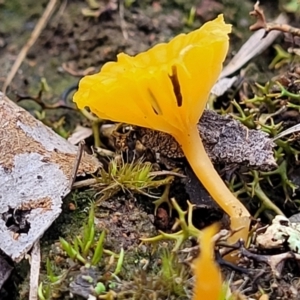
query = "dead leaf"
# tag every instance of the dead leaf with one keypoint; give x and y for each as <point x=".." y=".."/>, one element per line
<point x="80" y="134"/>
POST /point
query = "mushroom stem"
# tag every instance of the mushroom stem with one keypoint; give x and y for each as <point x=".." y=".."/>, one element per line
<point x="208" y="277"/>
<point x="194" y="151"/>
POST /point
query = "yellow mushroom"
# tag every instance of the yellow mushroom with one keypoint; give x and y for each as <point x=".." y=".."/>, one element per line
<point x="166" y="89"/>
<point x="208" y="277"/>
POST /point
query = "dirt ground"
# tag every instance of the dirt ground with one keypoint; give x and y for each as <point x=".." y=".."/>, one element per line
<point x="78" y="40"/>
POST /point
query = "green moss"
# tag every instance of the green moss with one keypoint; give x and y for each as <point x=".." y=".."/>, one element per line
<point x="16" y="15"/>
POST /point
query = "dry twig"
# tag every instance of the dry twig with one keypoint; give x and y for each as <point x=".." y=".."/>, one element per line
<point x="34" y="36"/>
<point x="35" y="271"/>
<point x="81" y="73"/>
<point x="76" y="163"/>
<point x="261" y="23"/>
<point x="122" y="19"/>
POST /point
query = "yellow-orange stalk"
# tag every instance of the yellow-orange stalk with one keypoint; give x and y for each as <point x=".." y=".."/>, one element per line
<point x="194" y="151"/>
<point x="208" y="278"/>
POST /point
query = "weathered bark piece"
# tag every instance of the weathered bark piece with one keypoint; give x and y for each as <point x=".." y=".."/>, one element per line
<point x="226" y="141"/>
<point x="35" y="172"/>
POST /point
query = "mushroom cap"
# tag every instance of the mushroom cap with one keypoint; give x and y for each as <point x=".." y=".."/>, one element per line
<point x="164" y="88"/>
